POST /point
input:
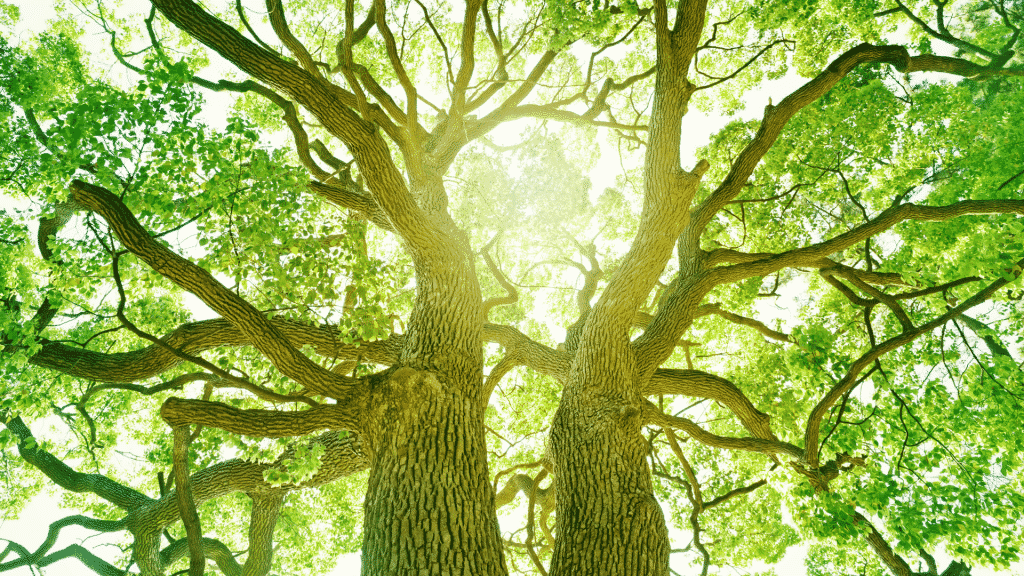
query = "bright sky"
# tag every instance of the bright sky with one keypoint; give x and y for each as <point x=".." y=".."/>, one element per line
<point x="31" y="528"/>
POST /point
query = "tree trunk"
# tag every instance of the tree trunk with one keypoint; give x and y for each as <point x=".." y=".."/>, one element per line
<point x="608" y="520"/>
<point x="429" y="503"/>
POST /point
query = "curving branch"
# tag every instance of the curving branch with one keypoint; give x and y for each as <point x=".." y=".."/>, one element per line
<point x="49" y="226"/>
<point x="413" y="151"/>
<point x="222" y="374"/>
<point x="352" y="198"/>
<point x="344" y="53"/>
<point x="504" y="366"/>
<point x="887" y="299"/>
<point x="643" y="14"/>
<point x="250" y="321"/>
<point x="503" y="111"/>
<point x="196" y="337"/>
<point x="590" y="278"/>
<point x="334" y="109"/>
<point x="176" y="383"/>
<point x="735" y="492"/>
<point x="696" y="497"/>
<point x="554" y="112"/>
<point x="776" y="117"/>
<point x="981" y="330"/>
<point x="527" y="352"/>
<point x="761" y="327"/>
<point x="468" y="58"/>
<point x="736" y="72"/>
<point x="697" y="384"/>
<point x="896" y="563"/>
<point x="42" y="557"/>
<point x="943" y="33"/>
<point x="501" y="73"/>
<point x="266" y="508"/>
<point x="440" y="41"/>
<point x="652" y="415"/>
<point x="530" y="487"/>
<point x="66" y="477"/>
<point x="343" y="455"/>
<point x="87" y="558"/>
<point x="512" y="295"/>
<point x="275" y="10"/>
<point x="848" y="381"/>
<point x="529" y="522"/>
<point x="728" y="256"/>
<point x="811" y="256"/>
<point x="240" y="10"/>
<point x="354" y="36"/>
<point x="212" y="548"/>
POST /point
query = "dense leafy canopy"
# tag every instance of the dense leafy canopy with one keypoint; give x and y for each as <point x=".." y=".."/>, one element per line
<point x="810" y="330"/>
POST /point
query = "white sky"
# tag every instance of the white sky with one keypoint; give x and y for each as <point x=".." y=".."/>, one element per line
<point x="31" y="528"/>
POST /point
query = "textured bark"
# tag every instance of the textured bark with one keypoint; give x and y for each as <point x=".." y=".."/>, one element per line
<point x="608" y="521"/>
<point x="429" y="505"/>
<point x="187" y="504"/>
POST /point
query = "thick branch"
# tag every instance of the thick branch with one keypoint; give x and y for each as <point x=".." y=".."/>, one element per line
<point x="697" y="384"/>
<point x="69" y="479"/>
<point x="468" y="58"/>
<point x="250" y="321"/>
<point x="895" y="563"/>
<point x="263" y="518"/>
<point x="258" y="423"/>
<point x="526" y="352"/>
<point x="330" y="104"/>
<point x="186" y="504"/>
<point x="343" y="455"/>
<point x="349" y="197"/>
<point x="811" y="255"/>
<point x="652" y="415"/>
<point x="277" y="20"/>
<point x="502" y="113"/>
<point x="727" y="256"/>
<point x="212" y="548"/>
<point x="196" y="337"/>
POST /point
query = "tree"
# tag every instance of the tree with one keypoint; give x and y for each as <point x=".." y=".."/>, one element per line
<point x="884" y="201"/>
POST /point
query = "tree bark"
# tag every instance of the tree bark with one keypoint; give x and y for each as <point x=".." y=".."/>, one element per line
<point x="429" y="504"/>
<point x="608" y="519"/>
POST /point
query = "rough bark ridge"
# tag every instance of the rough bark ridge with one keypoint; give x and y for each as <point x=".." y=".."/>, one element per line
<point x="429" y="505"/>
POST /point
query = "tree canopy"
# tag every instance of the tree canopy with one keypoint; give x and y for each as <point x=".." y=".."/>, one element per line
<point x="444" y="284"/>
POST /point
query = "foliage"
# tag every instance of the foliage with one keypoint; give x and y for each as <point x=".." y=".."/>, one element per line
<point x="916" y="444"/>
